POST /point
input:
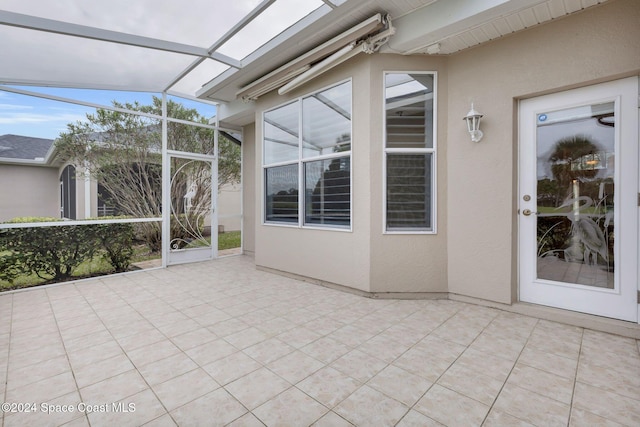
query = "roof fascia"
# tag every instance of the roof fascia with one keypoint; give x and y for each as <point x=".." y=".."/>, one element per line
<point x="441" y="19"/>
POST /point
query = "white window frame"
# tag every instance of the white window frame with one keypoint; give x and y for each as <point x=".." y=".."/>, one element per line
<point x="301" y="161"/>
<point x="433" y="151"/>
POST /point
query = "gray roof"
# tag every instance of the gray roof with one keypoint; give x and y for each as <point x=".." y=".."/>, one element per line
<point x="24" y="147"/>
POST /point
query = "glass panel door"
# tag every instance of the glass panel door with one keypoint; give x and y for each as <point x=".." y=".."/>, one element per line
<point x="575" y="171"/>
<point x="191" y="234"/>
<point x="578" y="200"/>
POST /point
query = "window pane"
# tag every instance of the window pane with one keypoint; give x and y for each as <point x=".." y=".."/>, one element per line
<point x="281" y="185"/>
<point x="409" y="192"/>
<point x="409" y="110"/>
<point x="326" y="118"/>
<point x="328" y="192"/>
<point x="281" y="134"/>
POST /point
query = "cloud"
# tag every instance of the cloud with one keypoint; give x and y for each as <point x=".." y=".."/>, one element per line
<point x="22" y="118"/>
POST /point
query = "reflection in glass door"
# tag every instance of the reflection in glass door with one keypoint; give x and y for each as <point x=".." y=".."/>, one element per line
<point x="575" y="168"/>
<point x="578" y="200"/>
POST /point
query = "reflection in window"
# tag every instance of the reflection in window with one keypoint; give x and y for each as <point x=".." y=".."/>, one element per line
<point x="281" y="134"/>
<point x="409" y="152"/>
<point x="409" y="191"/>
<point x="321" y="154"/>
<point x="326" y="118"/>
<point x="281" y="184"/>
<point x="328" y="191"/>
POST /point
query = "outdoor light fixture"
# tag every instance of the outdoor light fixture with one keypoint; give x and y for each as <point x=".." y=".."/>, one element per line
<point x="473" y="124"/>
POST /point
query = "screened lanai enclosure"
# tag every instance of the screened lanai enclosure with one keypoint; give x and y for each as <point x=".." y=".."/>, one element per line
<point x="109" y="161"/>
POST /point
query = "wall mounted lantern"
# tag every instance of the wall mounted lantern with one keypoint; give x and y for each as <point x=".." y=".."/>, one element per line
<point x="473" y="124"/>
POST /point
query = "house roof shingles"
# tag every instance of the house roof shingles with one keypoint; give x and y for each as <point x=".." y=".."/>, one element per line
<point x="24" y="147"/>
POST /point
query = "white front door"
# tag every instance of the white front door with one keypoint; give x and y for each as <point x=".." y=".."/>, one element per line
<point x="578" y="200"/>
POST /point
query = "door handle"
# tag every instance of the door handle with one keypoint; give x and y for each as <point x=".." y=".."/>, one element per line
<point x="526" y="212"/>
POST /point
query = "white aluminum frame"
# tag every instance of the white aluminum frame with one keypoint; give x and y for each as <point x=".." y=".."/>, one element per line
<point x="433" y="151"/>
<point x="301" y="161"/>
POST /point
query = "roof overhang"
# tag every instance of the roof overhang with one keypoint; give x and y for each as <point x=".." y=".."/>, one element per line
<point x="432" y="27"/>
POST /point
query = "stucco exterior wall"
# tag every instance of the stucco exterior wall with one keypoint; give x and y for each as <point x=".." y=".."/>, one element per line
<point x="341" y="257"/>
<point x="599" y="44"/>
<point x="29" y="191"/>
<point x="403" y="262"/>
<point x="474" y="252"/>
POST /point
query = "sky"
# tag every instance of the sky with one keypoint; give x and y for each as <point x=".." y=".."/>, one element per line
<point x="32" y="57"/>
<point x="43" y="118"/>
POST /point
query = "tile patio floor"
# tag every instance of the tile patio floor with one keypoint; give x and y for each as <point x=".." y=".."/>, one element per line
<point x="220" y="343"/>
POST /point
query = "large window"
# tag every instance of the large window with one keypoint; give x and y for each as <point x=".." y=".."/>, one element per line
<point x="307" y="147"/>
<point x="409" y="152"/>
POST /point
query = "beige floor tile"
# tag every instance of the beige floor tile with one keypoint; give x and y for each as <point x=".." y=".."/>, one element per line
<point x="91" y="355"/>
<point x="246" y="337"/>
<point x="541" y="382"/>
<point x="101" y="370"/>
<point x="580" y="417"/>
<point x="400" y="385"/>
<point x="506" y="348"/>
<point x="325" y="325"/>
<point x="359" y="365"/>
<point x="166" y="369"/>
<point x="416" y="419"/>
<point x="185" y="388"/>
<point x="351" y="335"/>
<point x="30" y="358"/>
<point x="48" y="413"/>
<point x="326" y="349"/>
<point x="368" y="407"/>
<point x="163" y="421"/>
<point x="232" y="367"/>
<point x="247" y="420"/>
<point x="44" y="390"/>
<point x="451" y="408"/>
<point x="217" y="408"/>
<point x="608" y="405"/>
<point x="554" y="343"/>
<point x="295" y="367"/>
<point x="299" y="336"/>
<point x="194" y="338"/>
<point x="498" y="418"/>
<point x="211" y="351"/>
<point x="38" y="372"/>
<point x="418" y="363"/>
<point x="133" y="342"/>
<point x="471" y="383"/>
<point x="256" y="388"/>
<point x="152" y="353"/>
<point x="87" y="341"/>
<point x="549" y="362"/>
<point x="114" y="389"/>
<point x="488" y="364"/>
<point x="290" y="408"/>
<point x="610" y="377"/>
<point x="331" y="419"/>
<point x="269" y="350"/>
<point x="228" y="327"/>
<point x="384" y="348"/>
<point x="433" y="346"/>
<point x="532" y="407"/>
<point x="134" y="410"/>
<point x="328" y="386"/>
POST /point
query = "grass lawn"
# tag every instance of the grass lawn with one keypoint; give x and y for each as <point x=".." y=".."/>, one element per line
<point x="98" y="266"/>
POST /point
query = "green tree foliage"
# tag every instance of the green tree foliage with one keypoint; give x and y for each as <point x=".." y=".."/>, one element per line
<point x="123" y="152"/>
<point x="53" y="252"/>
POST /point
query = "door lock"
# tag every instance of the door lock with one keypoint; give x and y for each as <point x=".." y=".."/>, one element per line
<point x="526" y="212"/>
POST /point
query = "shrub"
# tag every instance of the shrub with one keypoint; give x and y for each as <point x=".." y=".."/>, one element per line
<point x="52" y="253"/>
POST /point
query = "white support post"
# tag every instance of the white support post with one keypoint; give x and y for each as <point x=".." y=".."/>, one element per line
<point x="166" y="184"/>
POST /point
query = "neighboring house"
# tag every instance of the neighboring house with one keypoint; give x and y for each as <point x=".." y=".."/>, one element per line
<point x="420" y="209"/>
<point x="34" y="183"/>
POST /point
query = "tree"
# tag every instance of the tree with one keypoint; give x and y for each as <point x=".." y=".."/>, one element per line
<point x="123" y="152"/>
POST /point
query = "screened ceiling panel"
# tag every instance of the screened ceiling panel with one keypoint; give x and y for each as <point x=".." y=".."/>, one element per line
<point x="53" y="58"/>
<point x="195" y="22"/>
<point x="277" y="18"/>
